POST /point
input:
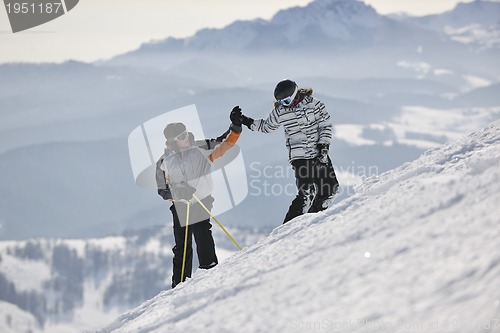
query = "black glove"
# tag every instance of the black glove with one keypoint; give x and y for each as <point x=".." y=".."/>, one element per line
<point x="235" y="116"/>
<point x="183" y="191"/>
<point x="322" y="152"/>
<point x="247" y="121"/>
<point x="165" y="194"/>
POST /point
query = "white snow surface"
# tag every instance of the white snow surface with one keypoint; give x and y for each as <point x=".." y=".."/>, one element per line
<point x="414" y="250"/>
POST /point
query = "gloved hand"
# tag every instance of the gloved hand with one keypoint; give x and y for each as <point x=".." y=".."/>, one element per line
<point x="247" y="121"/>
<point x="322" y="152"/>
<point x="183" y="191"/>
<point x="235" y="116"/>
<point x="165" y="194"/>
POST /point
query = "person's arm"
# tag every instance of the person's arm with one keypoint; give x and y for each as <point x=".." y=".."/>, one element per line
<point x="268" y="125"/>
<point x="209" y="144"/>
<point x="161" y="182"/>
<point x="235" y="117"/>
<point x="224" y="142"/>
<point x="325" y="125"/>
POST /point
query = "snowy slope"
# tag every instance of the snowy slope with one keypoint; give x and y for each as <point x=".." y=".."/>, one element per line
<point x="415" y="249"/>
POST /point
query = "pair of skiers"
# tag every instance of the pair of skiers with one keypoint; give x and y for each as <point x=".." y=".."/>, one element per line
<point x="183" y="172"/>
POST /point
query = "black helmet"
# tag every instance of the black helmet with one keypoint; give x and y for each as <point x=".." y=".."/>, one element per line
<point x="173" y="131"/>
<point x="284" y="89"/>
<point x="286" y="92"/>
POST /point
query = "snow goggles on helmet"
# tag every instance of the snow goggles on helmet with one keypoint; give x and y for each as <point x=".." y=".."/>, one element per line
<point x="289" y="100"/>
<point x="181" y="136"/>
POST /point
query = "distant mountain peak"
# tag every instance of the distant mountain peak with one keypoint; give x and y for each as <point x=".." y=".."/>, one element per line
<point x="340" y="9"/>
<point x="320" y="20"/>
<point x="337" y="19"/>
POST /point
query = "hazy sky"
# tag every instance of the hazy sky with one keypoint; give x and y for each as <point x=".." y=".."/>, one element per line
<point x="100" y="29"/>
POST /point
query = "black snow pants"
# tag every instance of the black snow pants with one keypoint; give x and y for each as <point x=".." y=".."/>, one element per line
<point x="316" y="184"/>
<point x="199" y="227"/>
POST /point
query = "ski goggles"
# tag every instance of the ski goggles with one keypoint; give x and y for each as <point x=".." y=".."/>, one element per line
<point x="181" y="137"/>
<point x="288" y="100"/>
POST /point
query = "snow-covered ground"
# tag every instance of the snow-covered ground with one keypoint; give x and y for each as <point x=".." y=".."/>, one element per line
<point x="414" y="250"/>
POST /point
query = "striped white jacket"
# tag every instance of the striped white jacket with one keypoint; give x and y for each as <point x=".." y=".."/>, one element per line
<point x="306" y="124"/>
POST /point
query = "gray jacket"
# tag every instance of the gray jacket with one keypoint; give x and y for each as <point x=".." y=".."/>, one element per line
<point x="193" y="165"/>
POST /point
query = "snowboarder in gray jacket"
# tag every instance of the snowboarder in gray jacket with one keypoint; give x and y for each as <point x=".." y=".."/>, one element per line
<point x="184" y="170"/>
<point x="308" y="133"/>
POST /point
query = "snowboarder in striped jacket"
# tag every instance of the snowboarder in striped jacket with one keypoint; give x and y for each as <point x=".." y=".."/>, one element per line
<point x="308" y="132"/>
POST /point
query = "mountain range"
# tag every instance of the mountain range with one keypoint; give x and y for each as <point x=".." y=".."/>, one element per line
<point x="332" y="33"/>
<point x="329" y="24"/>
